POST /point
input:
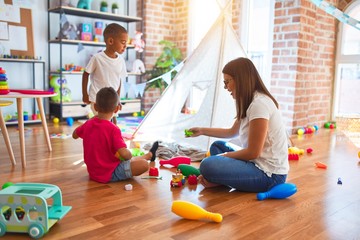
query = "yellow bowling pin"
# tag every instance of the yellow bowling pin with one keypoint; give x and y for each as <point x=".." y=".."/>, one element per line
<point x="192" y="211"/>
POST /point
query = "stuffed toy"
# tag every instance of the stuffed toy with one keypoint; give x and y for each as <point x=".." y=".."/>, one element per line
<point x="65" y="91"/>
<point x="138" y="66"/>
<point x="138" y="42"/>
<point x="68" y="31"/>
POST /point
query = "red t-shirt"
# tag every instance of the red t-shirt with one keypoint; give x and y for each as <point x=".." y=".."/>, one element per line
<point x="101" y="140"/>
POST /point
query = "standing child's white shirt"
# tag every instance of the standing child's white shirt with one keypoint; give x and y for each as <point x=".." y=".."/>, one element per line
<point x="105" y="72"/>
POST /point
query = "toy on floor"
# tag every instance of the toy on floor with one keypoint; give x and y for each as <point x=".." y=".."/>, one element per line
<point x="280" y="191"/>
<point x="175" y="161"/>
<point x="192" y="179"/>
<point x="339" y="182"/>
<point x="330" y="125"/>
<point x="192" y="211"/>
<point x="307" y="130"/>
<point x="188" y="170"/>
<point x="153" y="171"/>
<point x="24" y="208"/>
<point x="320" y="165"/>
<point x="178" y="179"/>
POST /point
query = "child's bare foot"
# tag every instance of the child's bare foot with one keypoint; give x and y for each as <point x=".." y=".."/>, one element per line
<point x="206" y="183"/>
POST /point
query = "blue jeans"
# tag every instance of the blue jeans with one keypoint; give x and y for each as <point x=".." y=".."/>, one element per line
<point x="239" y="174"/>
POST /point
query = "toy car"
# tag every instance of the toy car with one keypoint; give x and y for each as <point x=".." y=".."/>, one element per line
<point x="178" y="179"/>
<point x="24" y="208"/>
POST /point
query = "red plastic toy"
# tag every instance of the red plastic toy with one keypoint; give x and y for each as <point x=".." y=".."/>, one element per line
<point x="192" y="179"/>
<point x="153" y="171"/>
<point x="309" y="150"/>
<point x="293" y="156"/>
<point x="175" y="161"/>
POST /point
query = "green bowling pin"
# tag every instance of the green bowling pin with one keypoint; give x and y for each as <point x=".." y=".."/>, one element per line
<point x="187" y="170"/>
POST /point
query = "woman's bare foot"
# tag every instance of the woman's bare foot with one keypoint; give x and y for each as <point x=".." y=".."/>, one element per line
<point x="206" y="183"/>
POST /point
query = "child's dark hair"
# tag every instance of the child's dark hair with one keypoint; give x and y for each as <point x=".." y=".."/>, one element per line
<point x="106" y="100"/>
<point x="112" y="30"/>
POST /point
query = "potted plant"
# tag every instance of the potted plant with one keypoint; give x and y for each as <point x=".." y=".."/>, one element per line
<point x="114" y="8"/>
<point x="168" y="59"/>
<point x="103" y="6"/>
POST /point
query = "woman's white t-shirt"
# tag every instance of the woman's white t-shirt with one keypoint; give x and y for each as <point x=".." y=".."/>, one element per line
<point x="274" y="156"/>
<point x="105" y="72"/>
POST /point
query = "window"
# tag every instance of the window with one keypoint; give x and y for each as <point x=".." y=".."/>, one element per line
<point x="347" y="82"/>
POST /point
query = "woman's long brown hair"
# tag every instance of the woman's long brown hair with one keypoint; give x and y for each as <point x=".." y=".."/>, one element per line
<point x="247" y="82"/>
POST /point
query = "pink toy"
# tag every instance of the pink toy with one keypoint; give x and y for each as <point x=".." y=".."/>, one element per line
<point x="138" y="42"/>
<point x="175" y="161"/>
<point x="153" y="171"/>
<point x="192" y="179"/>
<point x="309" y="150"/>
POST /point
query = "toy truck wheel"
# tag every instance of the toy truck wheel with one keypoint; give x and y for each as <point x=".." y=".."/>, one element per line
<point x="2" y="229"/>
<point x="36" y="230"/>
<point x="171" y="184"/>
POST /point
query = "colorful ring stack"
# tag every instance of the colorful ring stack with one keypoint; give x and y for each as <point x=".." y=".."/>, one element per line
<point x="4" y="87"/>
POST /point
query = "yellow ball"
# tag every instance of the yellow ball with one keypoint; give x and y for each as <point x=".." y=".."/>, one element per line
<point x="359" y="154"/>
<point x="142" y="113"/>
<point x="135" y="114"/>
<point x="56" y="120"/>
<point x="300" y="131"/>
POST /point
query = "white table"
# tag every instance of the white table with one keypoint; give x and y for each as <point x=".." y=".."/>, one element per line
<point x="19" y="97"/>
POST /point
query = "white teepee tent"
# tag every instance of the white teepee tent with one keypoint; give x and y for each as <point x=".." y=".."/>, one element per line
<point x="201" y="76"/>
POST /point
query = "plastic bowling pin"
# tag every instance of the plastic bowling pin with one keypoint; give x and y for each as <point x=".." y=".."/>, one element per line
<point x="192" y="211"/>
<point x="187" y="170"/>
<point x="280" y="191"/>
<point x="175" y="161"/>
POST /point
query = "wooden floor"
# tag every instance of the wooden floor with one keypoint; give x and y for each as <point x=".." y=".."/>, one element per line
<point x="321" y="209"/>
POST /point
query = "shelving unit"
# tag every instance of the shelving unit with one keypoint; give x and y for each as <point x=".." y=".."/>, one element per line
<point x="33" y="62"/>
<point x="77" y="109"/>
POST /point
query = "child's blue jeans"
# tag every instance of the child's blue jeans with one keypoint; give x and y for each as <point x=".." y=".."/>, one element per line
<point x="239" y="174"/>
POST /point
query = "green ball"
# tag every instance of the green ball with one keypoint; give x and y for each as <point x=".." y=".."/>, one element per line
<point x="327" y="125"/>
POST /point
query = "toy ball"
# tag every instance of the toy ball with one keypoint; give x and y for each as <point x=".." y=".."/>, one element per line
<point x="135" y="114"/>
<point x="316" y="127"/>
<point x="327" y="125"/>
<point x="69" y="121"/>
<point x="309" y="150"/>
<point x="359" y="154"/>
<point x="300" y="131"/>
<point x="56" y="120"/>
<point x="142" y="113"/>
<point x="332" y="126"/>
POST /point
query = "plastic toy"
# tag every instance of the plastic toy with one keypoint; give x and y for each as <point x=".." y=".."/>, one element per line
<point x="295" y="150"/>
<point x="24" y="208"/>
<point x="56" y="120"/>
<point x="192" y="179"/>
<point x="136" y="152"/>
<point x="60" y="85"/>
<point x="128" y="187"/>
<point x="4" y="87"/>
<point x="280" y="191"/>
<point x="307" y="130"/>
<point x="153" y="171"/>
<point x="152" y="177"/>
<point x="188" y="170"/>
<point x="178" y="179"/>
<point x="320" y="165"/>
<point x="138" y="42"/>
<point x="70" y="121"/>
<point x="175" y="161"/>
<point x="188" y="133"/>
<point x="339" y="181"/>
<point x="293" y="156"/>
<point x="84" y="4"/>
<point x="309" y="150"/>
<point x="330" y="125"/>
<point x="192" y="211"/>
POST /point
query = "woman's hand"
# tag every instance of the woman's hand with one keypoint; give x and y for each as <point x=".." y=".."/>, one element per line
<point x="196" y="131"/>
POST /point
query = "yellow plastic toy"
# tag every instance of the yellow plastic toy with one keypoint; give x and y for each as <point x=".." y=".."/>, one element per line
<point x="192" y="211"/>
<point x="24" y="208"/>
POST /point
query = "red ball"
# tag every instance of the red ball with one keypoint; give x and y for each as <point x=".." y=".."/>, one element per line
<point x="309" y="150"/>
<point x="331" y="126"/>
